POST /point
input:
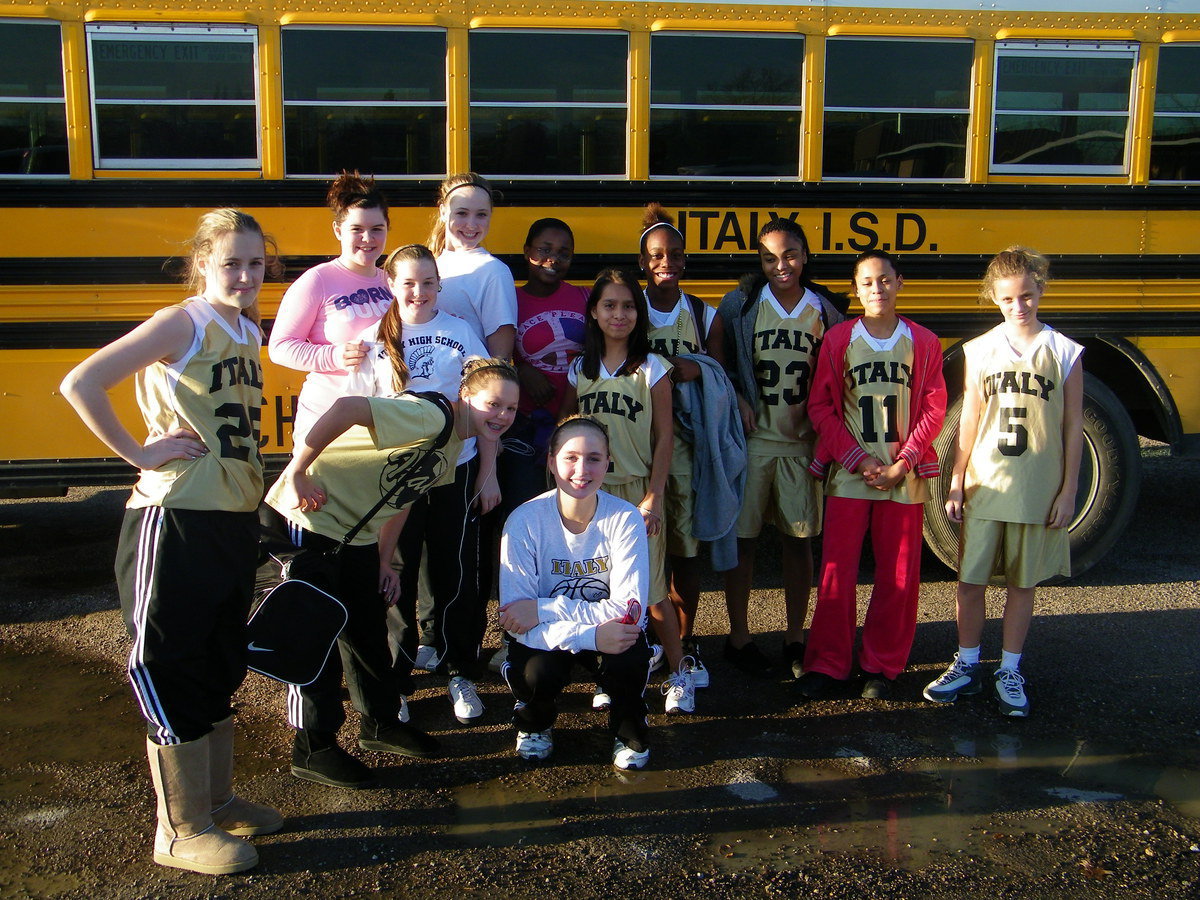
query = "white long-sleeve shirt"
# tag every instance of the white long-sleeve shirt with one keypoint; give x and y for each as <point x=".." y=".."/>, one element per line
<point x="579" y="581"/>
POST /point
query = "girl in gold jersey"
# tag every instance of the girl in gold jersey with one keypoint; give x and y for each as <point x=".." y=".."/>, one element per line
<point x="189" y="541"/>
<point x="1015" y="472"/>
<point x="621" y="383"/>
<point x="680" y="325"/>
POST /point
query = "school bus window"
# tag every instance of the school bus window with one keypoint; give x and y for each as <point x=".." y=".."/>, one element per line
<point x="1175" y="145"/>
<point x="33" y="118"/>
<point x="174" y="97"/>
<point x="896" y="108"/>
<point x="548" y="103"/>
<point x="1062" y="108"/>
<point x="369" y="99"/>
<point x="724" y="105"/>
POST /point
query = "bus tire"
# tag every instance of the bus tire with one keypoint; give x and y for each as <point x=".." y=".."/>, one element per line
<point x="1110" y="477"/>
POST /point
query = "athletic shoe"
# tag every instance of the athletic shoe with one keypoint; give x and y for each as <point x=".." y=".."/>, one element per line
<point x="626" y="758"/>
<point x="681" y="693"/>
<point x="959" y="678"/>
<point x="658" y="659"/>
<point x="402" y="715"/>
<point x="691" y="651"/>
<point x="600" y="700"/>
<point x="876" y="686"/>
<point x="467" y="705"/>
<point x="793" y="657"/>
<point x="499" y="658"/>
<point x="535" y="745"/>
<point x="1010" y="693"/>
<point x="426" y="658"/>
<point x="813" y="685"/>
<point x="748" y="658"/>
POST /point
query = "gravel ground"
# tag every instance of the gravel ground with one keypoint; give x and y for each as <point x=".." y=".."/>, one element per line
<point x="1096" y="795"/>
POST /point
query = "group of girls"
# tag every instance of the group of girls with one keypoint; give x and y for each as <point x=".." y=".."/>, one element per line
<point x="377" y="466"/>
<point x="850" y="410"/>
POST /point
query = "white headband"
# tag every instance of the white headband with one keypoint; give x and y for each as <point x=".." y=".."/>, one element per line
<point x="660" y="225"/>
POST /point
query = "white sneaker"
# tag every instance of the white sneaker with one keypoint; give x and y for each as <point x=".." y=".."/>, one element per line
<point x="680" y="691"/>
<point x="657" y="658"/>
<point x="626" y="758"/>
<point x="535" y="745"/>
<point x="600" y="700"/>
<point x="467" y="705"/>
<point x="695" y="668"/>
<point x="427" y="658"/>
<point x="403" y="714"/>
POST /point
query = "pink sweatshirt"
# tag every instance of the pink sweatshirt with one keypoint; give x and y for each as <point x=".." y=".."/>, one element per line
<point x="326" y="306"/>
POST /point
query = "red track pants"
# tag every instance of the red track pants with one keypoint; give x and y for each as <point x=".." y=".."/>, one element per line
<point x="892" y="615"/>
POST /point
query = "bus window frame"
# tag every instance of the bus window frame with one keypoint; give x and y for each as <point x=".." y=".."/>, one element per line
<point x="1194" y="46"/>
<point x="1105" y="49"/>
<point x="61" y="100"/>
<point x="207" y="33"/>
<point x="798" y="109"/>
<point x="443" y="104"/>
<point x="625" y="105"/>
<point x="968" y="110"/>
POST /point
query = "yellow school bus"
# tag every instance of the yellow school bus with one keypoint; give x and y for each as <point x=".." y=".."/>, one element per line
<point x="939" y="132"/>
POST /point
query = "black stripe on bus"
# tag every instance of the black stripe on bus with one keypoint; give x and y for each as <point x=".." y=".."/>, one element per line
<point x="90" y="335"/>
<point x="830" y="268"/>
<point x="207" y="193"/>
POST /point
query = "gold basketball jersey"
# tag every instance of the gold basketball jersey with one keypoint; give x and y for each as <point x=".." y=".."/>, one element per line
<point x="623" y="404"/>
<point x="215" y="389"/>
<point x="676" y="339"/>
<point x="876" y="396"/>
<point x="785" y="353"/>
<point x="1016" y="466"/>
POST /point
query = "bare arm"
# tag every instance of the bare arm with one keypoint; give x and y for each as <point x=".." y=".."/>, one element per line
<point x="500" y="342"/>
<point x="165" y="336"/>
<point x="389" y="535"/>
<point x="487" y="486"/>
<point x="663" y="439"/>
<point x="345" y="413"/>
<point x="968" y="429"/>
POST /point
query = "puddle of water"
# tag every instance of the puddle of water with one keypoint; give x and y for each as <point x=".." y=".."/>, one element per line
<point x="44" y="697"/>
<point x="947" y="797"/>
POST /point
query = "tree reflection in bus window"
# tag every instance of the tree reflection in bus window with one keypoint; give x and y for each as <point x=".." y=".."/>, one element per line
<point x="33" y="118"/>
<point x="725" y="105"/>
<point x="896" y="108"/>
<point x="388" y="117"/>
<point x="548" y="102"/>
<point x="1175" y="146"/>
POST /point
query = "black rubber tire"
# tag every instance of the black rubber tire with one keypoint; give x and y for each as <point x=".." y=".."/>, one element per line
<point x="1110" y="478"/>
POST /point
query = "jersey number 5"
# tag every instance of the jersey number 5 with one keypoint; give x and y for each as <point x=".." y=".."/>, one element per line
<point x="1014" y="437"/>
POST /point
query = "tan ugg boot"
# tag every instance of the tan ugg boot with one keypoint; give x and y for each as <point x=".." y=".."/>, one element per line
<point x="230" y="812"/>
<point x="186" y="837"/>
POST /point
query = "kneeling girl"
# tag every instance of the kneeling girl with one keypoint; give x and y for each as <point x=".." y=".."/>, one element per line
<point x="574" y="582"/>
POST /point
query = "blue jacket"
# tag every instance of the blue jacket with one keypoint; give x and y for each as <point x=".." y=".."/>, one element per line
<point x="706" y="415"/>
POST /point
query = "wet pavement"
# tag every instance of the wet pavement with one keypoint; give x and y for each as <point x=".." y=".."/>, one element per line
<point x="1097" y="794"/>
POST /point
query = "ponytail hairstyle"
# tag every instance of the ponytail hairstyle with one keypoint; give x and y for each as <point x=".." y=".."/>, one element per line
<point x="211" y="227"/>
<point x="1014" y="262"/>
<point x="391" y="326"/>
<point x="350" y="190"/>
<point x="881" y="255"/>
<point x="593" y="337"/>
<point x="563" y="430"/>
<point x="655" y="216"/>
<point x="479" y="372"/>
<point x="753" y="282"/>
<point x="437" y="235"/>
